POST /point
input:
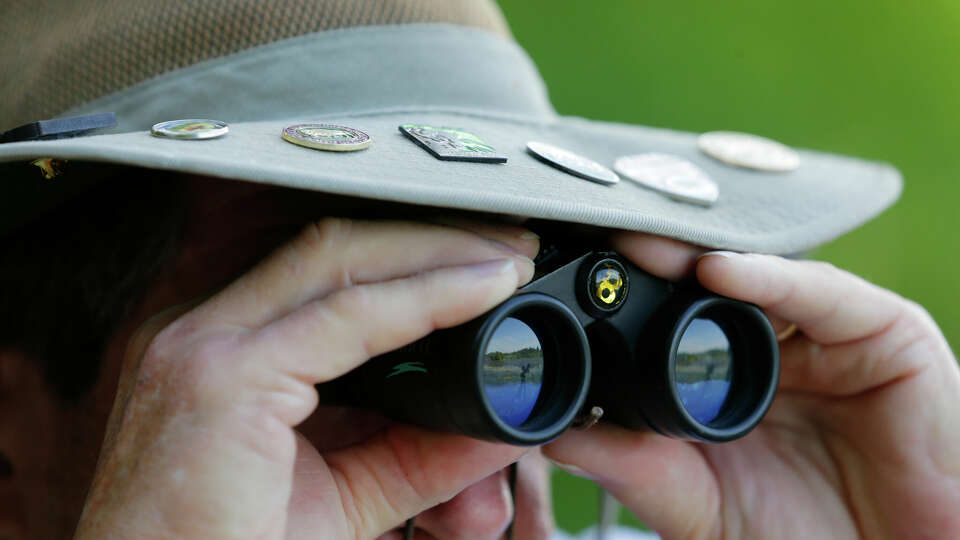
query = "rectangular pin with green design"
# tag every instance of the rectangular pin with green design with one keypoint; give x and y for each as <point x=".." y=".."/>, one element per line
<point x="451" y="144"/>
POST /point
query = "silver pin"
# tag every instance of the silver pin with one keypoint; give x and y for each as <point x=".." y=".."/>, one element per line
<point x="748" y="151"/>
<point x="572" y="163"/>
<point x="670" y="175"/>
<point x="190" y="129"/>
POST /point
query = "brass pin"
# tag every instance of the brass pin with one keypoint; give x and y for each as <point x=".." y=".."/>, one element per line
<point x="50" y="167"/>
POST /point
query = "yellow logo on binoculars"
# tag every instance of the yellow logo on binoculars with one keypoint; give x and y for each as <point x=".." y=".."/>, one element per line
<point x="608" y="284"/>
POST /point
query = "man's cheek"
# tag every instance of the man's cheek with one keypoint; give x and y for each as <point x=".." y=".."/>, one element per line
<point x="332" y="428"/>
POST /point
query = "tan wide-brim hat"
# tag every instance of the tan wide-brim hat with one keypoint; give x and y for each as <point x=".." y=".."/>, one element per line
<point x="375" y="78"/>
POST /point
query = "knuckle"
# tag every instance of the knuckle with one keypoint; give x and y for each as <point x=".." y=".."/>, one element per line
<point x="346" y="312"/>
<point x="318" y="238"/>
<point x="173" y="337"/>
<point x="201" y="369"/>
<point x="919" y="313"/>
<point x="191" y="373"/>
<point x="775" y="291"/>
<point x="922" y="325"/>
<point x="428" y="314"/>
<point x="328" y="239"/>
<point x="352" y="303"/>
<point x="490" y="519"/>
<point x="327" y="234"/>
<point x="909" y="343"/>
<point x="161" y="350"/>
<point x="160" y="335"/>
<point x="826" y="272"/>
<point x="824" y="267"/>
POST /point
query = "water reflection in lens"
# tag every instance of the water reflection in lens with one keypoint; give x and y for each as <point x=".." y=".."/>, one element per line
<point x="704" y="369"/>
<point x="513" y="371"/>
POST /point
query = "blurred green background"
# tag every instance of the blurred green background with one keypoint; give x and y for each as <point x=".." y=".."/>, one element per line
<point x="876" y="79"/>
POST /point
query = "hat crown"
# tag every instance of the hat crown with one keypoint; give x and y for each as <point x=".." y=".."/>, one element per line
<point x="410" y="67"/>
<point x="64" y="53"/>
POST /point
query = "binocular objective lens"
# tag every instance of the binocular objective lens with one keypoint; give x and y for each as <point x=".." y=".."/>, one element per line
<point x="513" y="371"/>
<point x="704" y="369"/>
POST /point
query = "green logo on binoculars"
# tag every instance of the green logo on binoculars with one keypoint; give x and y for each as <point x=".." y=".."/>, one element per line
<point x="407" y="367"/>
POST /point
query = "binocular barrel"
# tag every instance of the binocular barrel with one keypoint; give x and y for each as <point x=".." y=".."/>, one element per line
<point x="595" y="331"/>
<point x="518" y="374"/>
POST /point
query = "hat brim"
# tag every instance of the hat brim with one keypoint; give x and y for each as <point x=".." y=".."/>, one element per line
<point x="782" y="212"/>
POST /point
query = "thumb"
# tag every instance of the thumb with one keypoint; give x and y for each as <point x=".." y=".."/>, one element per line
<point x="668" y="484"/>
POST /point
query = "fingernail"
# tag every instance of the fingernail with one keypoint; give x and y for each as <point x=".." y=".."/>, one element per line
<point x="529" y="235"/>
<point x="525" y="269"/>
<point x="724" y="254"/>
<point x="491" y="268"/>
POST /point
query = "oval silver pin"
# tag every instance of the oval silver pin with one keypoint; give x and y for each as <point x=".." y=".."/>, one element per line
<point x="670" y="175"/>
<point x="571" y="163"/>
<point x="748" y="151"/>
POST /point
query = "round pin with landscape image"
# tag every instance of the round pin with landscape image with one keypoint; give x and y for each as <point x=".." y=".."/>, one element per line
<point x="190" y="129"/>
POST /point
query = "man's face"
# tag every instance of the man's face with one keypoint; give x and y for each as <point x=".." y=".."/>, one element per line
<point x="228" y="227"/>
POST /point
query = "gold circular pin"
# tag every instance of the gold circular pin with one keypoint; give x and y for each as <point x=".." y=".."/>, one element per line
<point x="326" y="137"/>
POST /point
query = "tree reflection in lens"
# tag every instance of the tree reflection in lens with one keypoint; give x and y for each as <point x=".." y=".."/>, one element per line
<point x="513" y="371"/>
<point x="704" y="369"/>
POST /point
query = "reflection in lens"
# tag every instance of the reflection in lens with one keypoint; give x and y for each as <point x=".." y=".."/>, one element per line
<point x="513" y="371"/>
<point x="704" y="369"/>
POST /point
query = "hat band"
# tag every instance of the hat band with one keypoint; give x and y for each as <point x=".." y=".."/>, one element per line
<point x="426" y="66"/>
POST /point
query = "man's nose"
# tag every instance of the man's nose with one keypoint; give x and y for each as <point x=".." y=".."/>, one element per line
<point x="480" y="512"/>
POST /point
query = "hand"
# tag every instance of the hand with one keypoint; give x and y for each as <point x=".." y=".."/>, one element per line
<point x="201" y="440"/>
<point x="861" y="441"/>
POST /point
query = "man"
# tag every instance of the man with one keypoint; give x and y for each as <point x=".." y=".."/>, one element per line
<point x="243" y="296"/>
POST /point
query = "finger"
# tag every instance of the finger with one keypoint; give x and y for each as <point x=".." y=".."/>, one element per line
<point x="663" y="257"/>
<point x="398" y="534"/>
<point x="332" y="428"/>
<point x="481" y="511"/>
<point x="667" y="483"/>
<point x="514" y="237"/>
<point x="312" y="510"/>
<point x="336" y="253"/>
<point x="533" y="514"/>
<point x="829" y="305"/>
<point x="850" y="368"/>
<point x="404" y="471"/>
<point x="484" y="509"/>
<point x="347" y="328"/>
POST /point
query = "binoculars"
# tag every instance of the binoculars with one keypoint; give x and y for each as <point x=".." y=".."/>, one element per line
<point x="588" y="331"/>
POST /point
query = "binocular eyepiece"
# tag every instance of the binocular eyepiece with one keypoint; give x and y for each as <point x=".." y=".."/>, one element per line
<point x="592" y="332"/>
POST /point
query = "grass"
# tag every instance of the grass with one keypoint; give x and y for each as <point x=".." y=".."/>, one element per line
<point x="875" y="79"/>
